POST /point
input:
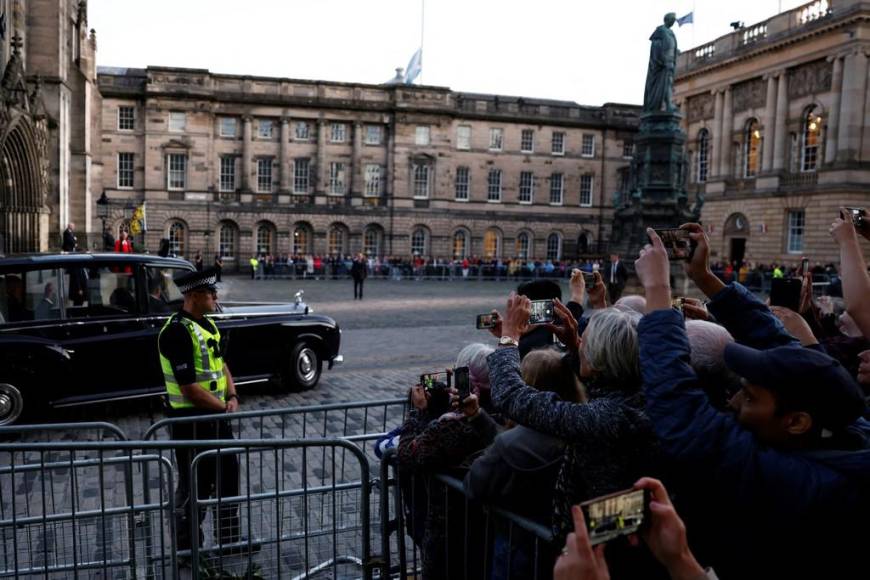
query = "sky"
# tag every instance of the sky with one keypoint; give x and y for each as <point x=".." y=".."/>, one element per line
<point x="578" y="50"/>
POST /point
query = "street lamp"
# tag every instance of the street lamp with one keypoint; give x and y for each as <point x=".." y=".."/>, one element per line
<point x="103" y="213"/>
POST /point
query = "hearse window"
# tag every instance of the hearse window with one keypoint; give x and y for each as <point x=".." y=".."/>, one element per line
<point x="99" y="291"/>
<point x="29" y="295"/>
<point x="163" y="294"/>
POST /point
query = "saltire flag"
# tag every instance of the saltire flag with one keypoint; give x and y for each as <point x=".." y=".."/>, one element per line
<point x="415" y="66"/>
<point x="687" y="19"/>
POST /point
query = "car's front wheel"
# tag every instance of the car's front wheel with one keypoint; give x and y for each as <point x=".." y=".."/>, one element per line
<point x="303" y="368"/>
<point x="11" y="404"/>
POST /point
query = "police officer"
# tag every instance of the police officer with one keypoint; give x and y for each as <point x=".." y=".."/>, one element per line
<point x="198" y="382"/>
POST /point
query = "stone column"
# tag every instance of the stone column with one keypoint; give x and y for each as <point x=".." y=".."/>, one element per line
<point x="834" y="115"/>
<point x="247" y="153"/>
<point x="717" y="133"/>
<point x="780" y="136"/>
<point x="726" y="168"/>
<point x="355" y="160"/>
<point x="769" y="129"/>
<point x="851" y="105"/>
<point x="284" y="185"/>
<point x="389" y="178"/>
<point x="320" y="162"/>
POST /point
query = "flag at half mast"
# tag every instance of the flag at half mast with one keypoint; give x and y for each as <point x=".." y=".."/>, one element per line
<point x="687" y="19"/>
<point x="415" y="66"/>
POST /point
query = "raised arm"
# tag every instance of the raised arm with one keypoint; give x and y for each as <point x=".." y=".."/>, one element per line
<point x="853" y="273"/>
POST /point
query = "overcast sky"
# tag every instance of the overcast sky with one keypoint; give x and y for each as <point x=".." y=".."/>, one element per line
<point x="580" y="50"/>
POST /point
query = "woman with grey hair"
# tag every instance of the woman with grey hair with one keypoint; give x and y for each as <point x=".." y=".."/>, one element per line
<point x="474" y="356"/>
<point x="610" y="439"/>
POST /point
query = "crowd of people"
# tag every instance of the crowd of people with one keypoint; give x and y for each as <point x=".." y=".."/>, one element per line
<point x="746" y="424"/>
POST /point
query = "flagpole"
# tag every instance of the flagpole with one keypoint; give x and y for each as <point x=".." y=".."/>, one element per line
<point x="422" y="28"/>
<point x="693" y="24"/>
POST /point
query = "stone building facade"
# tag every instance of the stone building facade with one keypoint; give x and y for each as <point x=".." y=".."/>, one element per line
<point x="241" y="165"/>
<point x="47" y="103"/>
<point x="778" y="121"/>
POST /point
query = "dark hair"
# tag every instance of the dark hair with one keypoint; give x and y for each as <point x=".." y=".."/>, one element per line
<point x="540" y="290"/>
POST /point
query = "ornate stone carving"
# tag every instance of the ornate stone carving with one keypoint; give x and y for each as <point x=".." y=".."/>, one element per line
<point x="748" y="95"/>
<point x="811" y="78"/>
<point x="700" y="107"/>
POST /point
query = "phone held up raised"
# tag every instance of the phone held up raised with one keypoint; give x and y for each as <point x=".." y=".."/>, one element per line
<point x="429" y="380"/>
<point x="677" y="242"/>
<point x="543" y="311"/>
<point x="486" y="321"/>
<point x="462" y="382"/>
<point x="859" y="217"/>
<point x="786" y="292"/>
<point x="617" y="514"/>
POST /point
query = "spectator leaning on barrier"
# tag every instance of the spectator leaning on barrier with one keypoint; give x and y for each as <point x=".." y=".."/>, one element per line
<point x="774" y="485"/>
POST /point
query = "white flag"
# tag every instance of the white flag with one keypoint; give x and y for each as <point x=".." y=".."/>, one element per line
<point x="415" y="65"/>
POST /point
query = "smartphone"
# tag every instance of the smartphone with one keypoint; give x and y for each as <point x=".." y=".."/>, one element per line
<point x="805" y="266"/>
<point x="617" y="514"/>
<point x="428" y="380"/>
<point x="589" y="278"/>
<point x="859" y="217"/>
<point x="542" y="311"/>
<point x="677" y="303"/>
<point x="786" y="292"/>
<point x="486" y="321"/>
<point x="462" y="382"/>
<point x="677" y="243"/>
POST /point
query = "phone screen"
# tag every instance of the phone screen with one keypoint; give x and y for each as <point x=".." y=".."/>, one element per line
<point x="786" y="292"/>
<point x="677" y="243"/>
<point x="428" y="380"/>
<point x="462" y="381"/>
<point x="589" y="277"/>
<point x="542" y="311"/>
<point x="805" y="266"/>
<point x="486" y="320"/>
<point x="614" y="515"/>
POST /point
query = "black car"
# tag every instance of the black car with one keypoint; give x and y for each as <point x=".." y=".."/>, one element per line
<point x="82" y="328"/>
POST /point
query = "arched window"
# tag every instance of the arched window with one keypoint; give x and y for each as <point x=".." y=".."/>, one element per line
<point x="751" y="148"/>
<point x="372" y="237"/>
<point x="228" y="237"/>
<point x="492" y="243"/>
<point x="418" y="242"/>
<point x="703" y="155"/>
<point x="460" y="244"/>
<point x="522" y="246"/>
<point x="811" y="138"/>
<point x="584" y="242"/>
<point x="337" y="240"/>
<point x="177" y="234"/>
<point x="554" y="246"/>
<point x="265" y="239"/>
<point x="302" y="238"/>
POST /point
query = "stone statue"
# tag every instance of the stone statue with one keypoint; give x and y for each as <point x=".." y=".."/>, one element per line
<point x="662" y="63"/>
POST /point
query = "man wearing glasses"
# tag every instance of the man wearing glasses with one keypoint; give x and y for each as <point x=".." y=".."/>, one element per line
<point x="198" y="382"/>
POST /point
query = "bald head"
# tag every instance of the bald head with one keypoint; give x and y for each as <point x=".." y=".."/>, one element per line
<point x="632" y="302"/>
<point x="707" y="342"/>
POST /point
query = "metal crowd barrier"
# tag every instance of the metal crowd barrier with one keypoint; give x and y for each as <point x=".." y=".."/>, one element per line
<point x="430" y="527"/>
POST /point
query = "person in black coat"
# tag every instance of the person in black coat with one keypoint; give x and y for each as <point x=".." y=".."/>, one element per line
<point x="70" y="242"/>
<point x="615" y="276"/>
<point x="358" y="272"/>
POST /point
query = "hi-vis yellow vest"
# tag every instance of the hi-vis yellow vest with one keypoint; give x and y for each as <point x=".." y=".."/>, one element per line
<point x="209" y="367"/>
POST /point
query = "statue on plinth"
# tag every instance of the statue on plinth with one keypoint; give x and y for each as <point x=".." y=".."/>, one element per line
<point x="662" y="65"/>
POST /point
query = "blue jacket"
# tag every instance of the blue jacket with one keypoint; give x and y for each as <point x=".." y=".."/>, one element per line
<point x="751" y="511"/>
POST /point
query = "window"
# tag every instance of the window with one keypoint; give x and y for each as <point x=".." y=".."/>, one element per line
<point x="264" y="129"/>
<point x="588" y="147"/>
<point x="628" y="149"/>
<point x="126" y="118"/>
<point x="265" y="239"/>
<point x="812" y="134"/>
<point x="374" y="134"/>
<point x="177" y="234"/>
<point x="303" y="131"/>
<point x="264" y="175"/>
<point x="336" y="178"/>
<point x="463" y="137"/>
<point x="556" y="186"/>
<point x="374" y="185"/>
<point x="228" y="173"/>
<point x="125" y="170"/>
<point x="751" y="147"/>
<point x="227" y="127"/>
<point x="493" y="185"/>
<point x="460" y="244"/>
<point x="586" y="190"/>
<point x="703" y="162"/>
<point x="336" y="241"/>
<point x="302" y="239"/>
<point x="521" y="248"/>
<point x="372" y="241"/>
<point x="527" y="186"/>
<point x="227" y="241"/>
<point x="462" y="183"/>
<point x="492" y="244"/>
<point x="338" y="132"/>
<point x="554" y="246"/>
<point x="301" y="175"/>
<point x="795" y="242"/>
<point x="496" y="139"/>
<point x="557" y="146"/>
<point x="176" y="174"/>
<point x="177" y="121"/>
<point x="418" y="242"/>
<point x="421" y="181"/>
<point x="527" y="141"/>
<point x="421" y="135"/>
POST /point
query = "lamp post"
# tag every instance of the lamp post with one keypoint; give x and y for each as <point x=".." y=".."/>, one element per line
<point x="103" y="213"/>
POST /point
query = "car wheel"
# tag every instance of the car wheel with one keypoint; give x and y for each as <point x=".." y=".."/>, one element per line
<point x="11" y="404"/>
<point x="304" y="367"/>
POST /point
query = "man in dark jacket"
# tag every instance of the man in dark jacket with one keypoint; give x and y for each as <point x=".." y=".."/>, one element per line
<point x="615" y="276"/>
<point x="70" y="242"/>
<point x="358" y="272"/>
<point x="769" y="490"/>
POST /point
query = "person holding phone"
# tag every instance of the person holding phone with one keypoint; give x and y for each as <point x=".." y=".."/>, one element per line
<point x="853" y="274"/>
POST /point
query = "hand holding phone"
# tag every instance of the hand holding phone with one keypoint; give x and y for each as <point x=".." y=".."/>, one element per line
<point x="677" y="242"/>
<point x="786" y="292"/>
<point x="462" y="382"/>
<point x="487" y="321"/>
<point x="616" y="514"/>
<point x="542" y="312"/>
